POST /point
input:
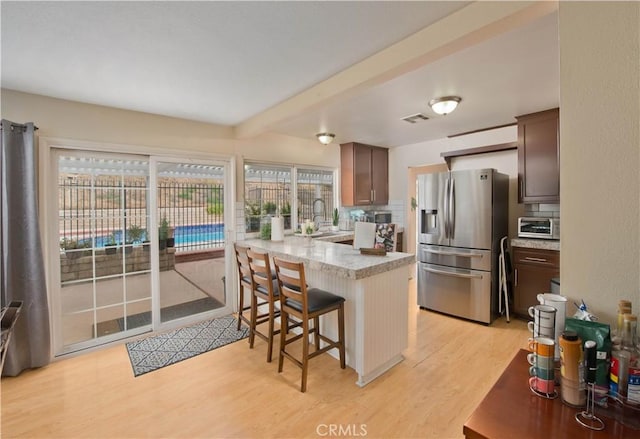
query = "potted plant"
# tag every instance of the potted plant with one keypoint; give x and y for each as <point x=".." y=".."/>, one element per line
<point x="269" y="208"/>
<point x="336" y="220"/>
<point x="72" y="247"/>
<point x="286" y="214"/>
<point x="171" y="241"/>
<point x="265" y="230"/>
<point x="110" y="246"/>
<point x="135" y="234"/>
<point x="252" y="217"/>
<point x="163" y="233"/>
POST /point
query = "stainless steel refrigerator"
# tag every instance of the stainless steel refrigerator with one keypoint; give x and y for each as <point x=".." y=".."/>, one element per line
<point x="462" y="215"/>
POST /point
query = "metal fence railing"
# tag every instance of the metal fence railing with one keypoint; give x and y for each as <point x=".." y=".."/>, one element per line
<point x="196" y="210"/>
<point x="114" y="210"/>
<point x="315" y="202"/>
<point x="108" y="210"/>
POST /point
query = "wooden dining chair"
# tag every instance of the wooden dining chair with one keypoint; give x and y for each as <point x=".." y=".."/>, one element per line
<point x="305" y="304"/>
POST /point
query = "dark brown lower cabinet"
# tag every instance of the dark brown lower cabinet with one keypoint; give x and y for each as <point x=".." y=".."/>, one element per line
<point x="533" y="270"/>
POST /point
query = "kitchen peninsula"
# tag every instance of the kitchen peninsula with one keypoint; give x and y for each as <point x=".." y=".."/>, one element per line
<point x="376" y="289"/>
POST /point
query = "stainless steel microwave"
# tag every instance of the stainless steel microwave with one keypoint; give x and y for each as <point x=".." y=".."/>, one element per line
<point x="379" y="216"/>
<point x="540" y="228"/>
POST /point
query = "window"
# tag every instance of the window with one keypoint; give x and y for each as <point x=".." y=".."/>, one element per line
<point x="269" y="190"/>
<point x="315" y="195"/>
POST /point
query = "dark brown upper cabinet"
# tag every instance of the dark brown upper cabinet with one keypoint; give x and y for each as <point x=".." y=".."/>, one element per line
<point x="364" y="174"/>
<point x="539" y="157"/>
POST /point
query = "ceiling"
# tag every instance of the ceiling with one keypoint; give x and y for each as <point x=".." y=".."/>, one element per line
<point x="294" y="68"/>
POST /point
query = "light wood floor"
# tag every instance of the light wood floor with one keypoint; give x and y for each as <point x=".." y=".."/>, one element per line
<point x="232" y="392"/>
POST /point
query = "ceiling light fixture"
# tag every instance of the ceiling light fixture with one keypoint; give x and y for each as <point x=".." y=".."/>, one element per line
<point x="325" y="138"/>
<point x="444" y="105"/>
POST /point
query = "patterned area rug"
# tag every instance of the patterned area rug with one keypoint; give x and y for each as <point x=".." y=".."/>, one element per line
<point x="151" y="353"/>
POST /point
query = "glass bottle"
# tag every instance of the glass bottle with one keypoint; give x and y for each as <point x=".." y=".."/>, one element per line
<point x="624" y="307"/>
<point x="629" y="344"/>
<point x="630" y="335"/>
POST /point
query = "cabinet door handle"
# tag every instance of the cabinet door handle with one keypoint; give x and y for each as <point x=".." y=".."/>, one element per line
<point x="521" y="181"/>
<point x="515" y="275"/>
<point x="528" y="258"/>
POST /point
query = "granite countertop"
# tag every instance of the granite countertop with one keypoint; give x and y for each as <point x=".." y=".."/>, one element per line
<point x="337" y="259"/>
<point x="344" y="235"/>
<point x="337" y="236"/>
<point x="543" y="244"/>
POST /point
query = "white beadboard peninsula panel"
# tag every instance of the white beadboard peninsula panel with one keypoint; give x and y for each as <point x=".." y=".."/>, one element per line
<point x="376" y="319"/>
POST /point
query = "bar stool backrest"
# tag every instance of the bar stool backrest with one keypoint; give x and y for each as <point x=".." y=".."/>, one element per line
<point x="243" y="264"/>
<point x="260" y="271"/>
<point x="292" y="283"/>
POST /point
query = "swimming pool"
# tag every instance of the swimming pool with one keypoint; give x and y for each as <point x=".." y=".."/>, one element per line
<point x="185" y="236"/>
<point x="200" y="233"/>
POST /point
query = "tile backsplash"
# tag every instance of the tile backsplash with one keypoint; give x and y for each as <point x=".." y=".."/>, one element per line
<point x="397" y="208"/>
<point x="542" y="210"/>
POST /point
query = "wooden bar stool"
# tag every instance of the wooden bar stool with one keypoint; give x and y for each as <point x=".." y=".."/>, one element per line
<point x="304" y="303"/>
<point x="263" y="288"/>
<point x="244" y="277"/>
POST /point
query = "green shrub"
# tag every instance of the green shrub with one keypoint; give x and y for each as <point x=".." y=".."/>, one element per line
<point x="252" y="209"/>
<point x="269" y="208"/>
<point x="135" y="233"/>
<point x="215" y="209"/>
<point x="72" y="244"/>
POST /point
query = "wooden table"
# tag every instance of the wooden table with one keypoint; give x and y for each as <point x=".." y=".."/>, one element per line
<point x="511" y="410"/>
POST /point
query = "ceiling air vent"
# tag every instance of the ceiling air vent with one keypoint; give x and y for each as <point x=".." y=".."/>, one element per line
<point x="414" y="118"/>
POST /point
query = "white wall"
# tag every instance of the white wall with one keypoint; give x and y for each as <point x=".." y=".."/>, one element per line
<point x="600" y="154"/>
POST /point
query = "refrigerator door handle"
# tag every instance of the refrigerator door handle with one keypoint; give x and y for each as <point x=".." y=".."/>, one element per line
<point x="449" y="273"/>
<point x="446" y="208"/>
<point x="452" y="208"/>
<point x="463" y="255"/>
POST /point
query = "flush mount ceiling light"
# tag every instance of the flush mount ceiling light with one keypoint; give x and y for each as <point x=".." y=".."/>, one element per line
<point x="325" y="138"/>
<point x="444" y="105"/>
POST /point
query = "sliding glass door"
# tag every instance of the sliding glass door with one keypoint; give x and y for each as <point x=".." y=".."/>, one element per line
<point x="141" y="246"/>
<point x="191" y="236"/>
<point x="104" y="258"/>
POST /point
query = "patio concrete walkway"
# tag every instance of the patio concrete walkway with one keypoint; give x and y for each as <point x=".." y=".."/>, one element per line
<point x="188" y="282"/>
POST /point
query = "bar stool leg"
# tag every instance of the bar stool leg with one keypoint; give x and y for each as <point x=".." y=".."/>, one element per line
<point x="284" y="318"/>
<point x="305" y="355"/>
<point x="316" y="332"/>
<point x="341" y="335"/>
<point x="271" y="329"/>
<point x="254" y="318"/>
<point x="240" y="304"/>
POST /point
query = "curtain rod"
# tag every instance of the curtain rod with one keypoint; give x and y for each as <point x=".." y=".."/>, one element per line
<point x="19" y="125"/>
